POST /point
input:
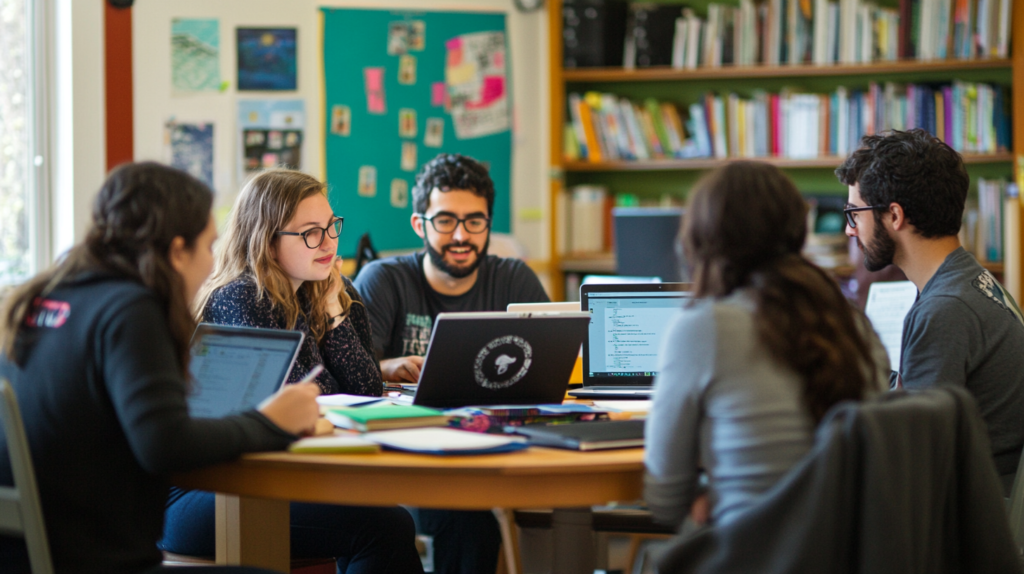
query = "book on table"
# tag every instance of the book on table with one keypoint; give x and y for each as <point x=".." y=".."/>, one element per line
<point x="598" y="435"/>
<point x="334" y="445"/>
<point x="386" y="417"/>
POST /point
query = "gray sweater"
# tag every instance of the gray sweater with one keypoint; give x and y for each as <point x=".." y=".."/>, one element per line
<point x="724" y="405"/>
<point x="965" y="330"/>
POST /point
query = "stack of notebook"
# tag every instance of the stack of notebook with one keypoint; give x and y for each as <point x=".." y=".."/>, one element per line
<point x="386" y="417"/>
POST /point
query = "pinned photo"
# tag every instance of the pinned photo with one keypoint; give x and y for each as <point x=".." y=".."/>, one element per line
<point x="407" y="123"/>
<point x="407" y="70"/>
<point x="399" y="193"/>
<point x="275" y="140"/>
<point x="416" y="35"/>
<point x="434" y="136"/>
<point x="367" y="181"/>
<point x="408" y="156"/>
<point x="255" y="137"/>
<point x="398" y="38"/>
<point x="341" y="120"/>
<point x="270" y="159"/>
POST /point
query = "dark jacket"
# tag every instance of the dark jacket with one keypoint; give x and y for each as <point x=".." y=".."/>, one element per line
<point x="902" y="484"/>
<point x="103" y="399"/>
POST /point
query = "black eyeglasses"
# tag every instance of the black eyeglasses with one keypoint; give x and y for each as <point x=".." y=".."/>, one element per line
<point x="314" y="237"/>
<point x="849" y="211"/>
<point x="444" y="223"/>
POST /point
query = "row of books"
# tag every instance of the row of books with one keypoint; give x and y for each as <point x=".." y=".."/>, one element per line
<point x="774" y="32"/>
<point x="970" y="117"/>
<point x="984" y="230"/>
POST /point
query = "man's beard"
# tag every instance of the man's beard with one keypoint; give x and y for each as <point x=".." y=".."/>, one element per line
<point x="882" y="250"/>
<point x="457" y="272"/>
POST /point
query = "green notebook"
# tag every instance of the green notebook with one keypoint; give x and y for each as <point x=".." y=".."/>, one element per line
<point x="385" y="417"/>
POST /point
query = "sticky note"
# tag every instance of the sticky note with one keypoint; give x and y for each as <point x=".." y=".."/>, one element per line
<point x="374" y="79"/>
<point x="437" y="91"/>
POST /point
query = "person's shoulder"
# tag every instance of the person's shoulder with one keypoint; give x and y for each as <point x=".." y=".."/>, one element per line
<point x="242" y="288"/>
<point x="105" y="291"/>
<point x="396" y="267"/>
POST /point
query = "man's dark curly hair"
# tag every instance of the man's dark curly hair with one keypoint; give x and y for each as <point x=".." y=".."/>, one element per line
<point x="918" y="171"/>
<point x="452" y="171"/>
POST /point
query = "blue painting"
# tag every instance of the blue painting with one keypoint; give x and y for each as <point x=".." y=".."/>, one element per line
<point x="192" y="149"/>
<point x="266" y="59"/>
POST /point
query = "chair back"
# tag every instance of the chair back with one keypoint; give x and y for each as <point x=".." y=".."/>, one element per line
<point x="20" y="511"/>
<point x="1017" y="506"/>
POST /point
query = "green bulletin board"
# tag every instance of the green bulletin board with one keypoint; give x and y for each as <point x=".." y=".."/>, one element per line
<point x="458" y="72"/>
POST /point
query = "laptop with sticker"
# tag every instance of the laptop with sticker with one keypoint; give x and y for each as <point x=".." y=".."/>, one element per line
<point x="234" y="368"/>
<point x="477" y="359"/>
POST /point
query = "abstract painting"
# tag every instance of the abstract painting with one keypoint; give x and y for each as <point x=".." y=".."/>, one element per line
<point x="266" y="59"/>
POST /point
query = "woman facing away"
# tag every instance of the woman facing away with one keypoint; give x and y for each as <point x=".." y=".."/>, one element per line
<point x="749" y="367"/>
<point x="277" y="268"/>
<point x="97" y="350"/>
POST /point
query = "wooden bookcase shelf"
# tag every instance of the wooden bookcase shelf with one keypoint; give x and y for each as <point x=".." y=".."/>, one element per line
<point x="711" y="163"/>
<point x="1009" y="70"/>
<point x="663" y="74"/>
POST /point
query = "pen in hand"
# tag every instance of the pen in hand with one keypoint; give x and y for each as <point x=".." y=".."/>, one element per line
<point x="312" y="374"/>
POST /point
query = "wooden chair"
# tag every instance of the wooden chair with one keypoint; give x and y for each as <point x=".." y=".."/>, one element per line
<point x="20" y="511"/>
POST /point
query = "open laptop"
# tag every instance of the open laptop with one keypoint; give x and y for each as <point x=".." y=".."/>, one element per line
<point x="234" y="368"/>
<point x="500" y="358"/>
<point x="628" y="322"/>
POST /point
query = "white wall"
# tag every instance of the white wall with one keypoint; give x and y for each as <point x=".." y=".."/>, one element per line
<point x="154" y="102"/>
<point x="80" y="160"/>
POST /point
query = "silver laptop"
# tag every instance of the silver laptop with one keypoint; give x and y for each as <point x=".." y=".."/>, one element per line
<point x="234" y="368"/>
<point x="498" y="358"/>
<point x="628" y="322"/>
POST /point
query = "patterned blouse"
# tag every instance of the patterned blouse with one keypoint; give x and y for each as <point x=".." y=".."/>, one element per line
<point x="346" y="352"/>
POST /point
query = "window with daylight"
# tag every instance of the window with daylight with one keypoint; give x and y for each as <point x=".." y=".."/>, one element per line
<point x="19" y="190"/>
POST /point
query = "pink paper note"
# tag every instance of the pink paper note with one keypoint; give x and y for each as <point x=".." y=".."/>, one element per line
<point x="437" y="91"/>
<point x="494" y="88"/>
<point x="374" y="79"/>
<point x="375" y="102"/>
<point x="454" y="44"/>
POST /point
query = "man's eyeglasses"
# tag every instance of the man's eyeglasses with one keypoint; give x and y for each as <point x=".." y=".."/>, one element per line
<point x="443" y="223"/>
<point x="849" y="211"/>
<point x="315" y="236"/>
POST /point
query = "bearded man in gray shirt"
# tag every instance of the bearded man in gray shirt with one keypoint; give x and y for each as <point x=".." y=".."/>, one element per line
<point x="906" y="201"/>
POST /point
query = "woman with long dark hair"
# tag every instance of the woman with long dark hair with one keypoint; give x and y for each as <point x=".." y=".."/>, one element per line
<point x="749" y="368"/>
<point x="97" y="350"/>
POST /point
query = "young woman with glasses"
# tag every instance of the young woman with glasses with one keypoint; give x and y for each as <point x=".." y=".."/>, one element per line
<point x="750" y="366"/>
<point x="277" y="268"/>
<point x="97" y="350"/>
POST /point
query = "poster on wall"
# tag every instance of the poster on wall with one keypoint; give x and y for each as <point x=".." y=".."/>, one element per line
<point x="195" y="55"/>
<point x="190" y="148"/>
<point x="475" y="78"/>
<point x="266" y="58"/>
<point x="271" y="134"/>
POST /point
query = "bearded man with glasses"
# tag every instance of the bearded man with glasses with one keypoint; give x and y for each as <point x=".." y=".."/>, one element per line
<point x="453" y="202"/>
<point x="906" y="202"/>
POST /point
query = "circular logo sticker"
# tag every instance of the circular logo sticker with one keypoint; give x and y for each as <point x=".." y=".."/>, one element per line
<point x="503" y="362"/>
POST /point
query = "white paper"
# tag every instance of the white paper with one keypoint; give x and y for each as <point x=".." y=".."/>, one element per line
<point x="625" y="406"/>
<point x="434" y="439"/>
<point x="343" y="400"/>
<point x="887" y="306"/>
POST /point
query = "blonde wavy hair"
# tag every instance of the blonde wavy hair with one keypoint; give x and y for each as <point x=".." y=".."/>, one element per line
<point x="265" y="205"/>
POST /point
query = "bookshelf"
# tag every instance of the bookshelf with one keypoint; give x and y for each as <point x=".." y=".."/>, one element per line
<point x="674" y="177"/>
